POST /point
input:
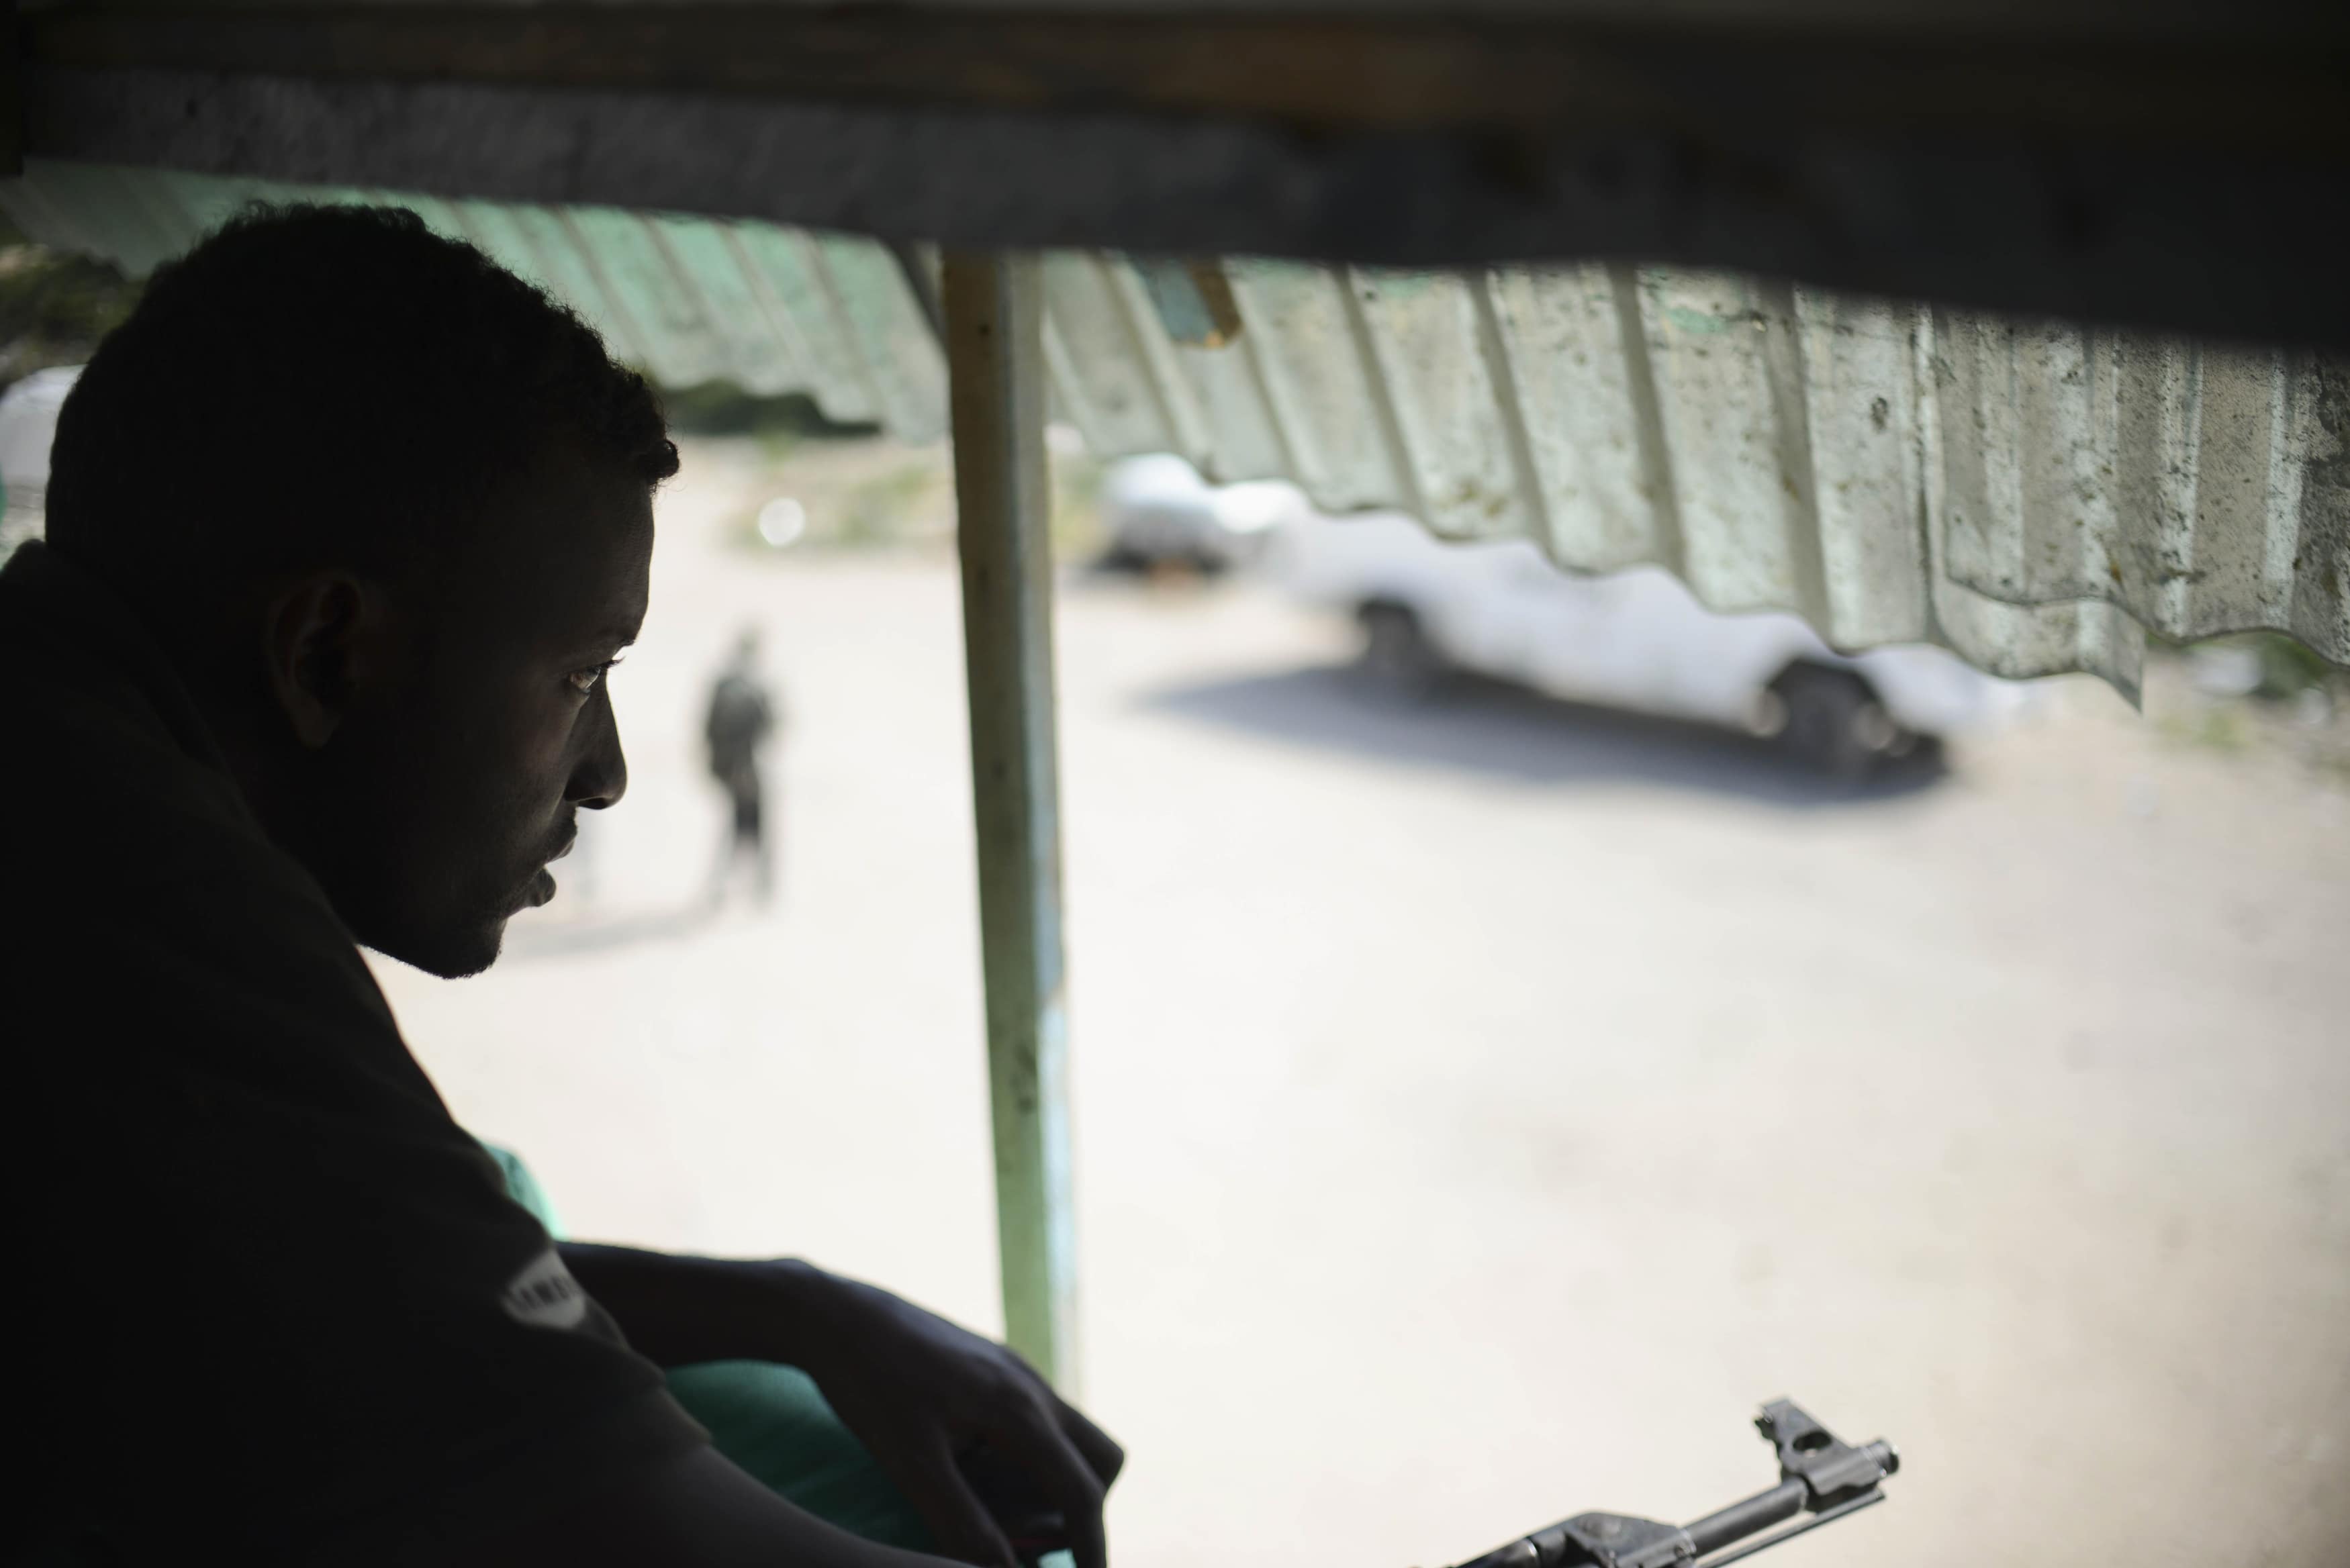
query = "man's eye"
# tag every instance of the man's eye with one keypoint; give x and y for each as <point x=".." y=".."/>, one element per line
<point x="584" y="682"/>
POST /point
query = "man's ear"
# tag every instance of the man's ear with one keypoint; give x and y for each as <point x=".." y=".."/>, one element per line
<point x="319" y="634"/>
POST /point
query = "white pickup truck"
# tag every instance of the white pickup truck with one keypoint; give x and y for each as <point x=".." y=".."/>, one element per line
<point x="1635" y="639"/>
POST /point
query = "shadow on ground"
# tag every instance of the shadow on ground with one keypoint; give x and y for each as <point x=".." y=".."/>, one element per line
<point x="1472" y="724"/>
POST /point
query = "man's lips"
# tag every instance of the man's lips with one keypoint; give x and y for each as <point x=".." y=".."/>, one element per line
<point x="541" y="887"/>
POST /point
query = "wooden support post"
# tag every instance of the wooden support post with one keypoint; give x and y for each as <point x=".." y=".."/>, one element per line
<point x="996" y="361"/>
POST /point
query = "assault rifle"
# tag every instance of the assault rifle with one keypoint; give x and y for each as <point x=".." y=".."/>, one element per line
<point x="1821" y="1477"/>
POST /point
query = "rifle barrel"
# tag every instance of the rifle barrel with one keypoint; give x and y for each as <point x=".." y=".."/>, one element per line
<point x="1741" y="1519"/>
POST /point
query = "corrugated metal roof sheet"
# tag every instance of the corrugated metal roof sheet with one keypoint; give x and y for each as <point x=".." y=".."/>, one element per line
<point x="2030" y="495"/>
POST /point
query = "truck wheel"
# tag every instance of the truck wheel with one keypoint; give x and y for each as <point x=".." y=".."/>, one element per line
<point x="1396" y="654"/>
<point x="1834" y="722"/>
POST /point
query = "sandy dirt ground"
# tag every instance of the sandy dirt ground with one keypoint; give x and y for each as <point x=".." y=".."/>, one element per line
<point x="1483" y="1106"/>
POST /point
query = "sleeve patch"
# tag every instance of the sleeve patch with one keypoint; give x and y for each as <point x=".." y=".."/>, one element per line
<point x="544" y="1295"/>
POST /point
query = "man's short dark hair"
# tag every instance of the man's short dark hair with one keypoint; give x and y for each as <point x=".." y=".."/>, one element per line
<point x="326" y="386"/>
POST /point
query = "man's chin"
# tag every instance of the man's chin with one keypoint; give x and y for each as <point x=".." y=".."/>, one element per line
<point x="450" y="955"/>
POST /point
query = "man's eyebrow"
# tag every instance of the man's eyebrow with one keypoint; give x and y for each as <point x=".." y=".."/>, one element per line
<point x="614" y="636"/>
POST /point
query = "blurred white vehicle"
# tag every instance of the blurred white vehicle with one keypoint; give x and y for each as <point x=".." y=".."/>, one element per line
<point x="28" y="423"/>
<point x="1157" y="508"/>
<point x="1636" y="639"/>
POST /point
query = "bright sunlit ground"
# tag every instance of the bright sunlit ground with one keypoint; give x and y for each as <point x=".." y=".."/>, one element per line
<point x="1481" y="1109"/>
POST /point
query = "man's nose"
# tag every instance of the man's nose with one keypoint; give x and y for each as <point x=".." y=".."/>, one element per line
<point x="602" y="776"/>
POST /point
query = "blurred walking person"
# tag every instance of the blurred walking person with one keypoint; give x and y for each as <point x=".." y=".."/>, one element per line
<point x="742" y="716"/>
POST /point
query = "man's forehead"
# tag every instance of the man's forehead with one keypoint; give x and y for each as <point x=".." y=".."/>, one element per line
<point x="569" y="552"/>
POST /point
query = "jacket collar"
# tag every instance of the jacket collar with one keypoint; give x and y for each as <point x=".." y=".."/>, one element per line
<point x="52" y="608"/>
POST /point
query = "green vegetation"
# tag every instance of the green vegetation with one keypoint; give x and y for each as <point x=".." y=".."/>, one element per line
<point x="876" y="512"/>
<point x="866" y="492"/>
<point x="54" y="307"/>
<point x="1076" y="505"/>
<point x="779" y="422"/>
<point x="2288" y="666"/>
<point x="2214" y="728"/>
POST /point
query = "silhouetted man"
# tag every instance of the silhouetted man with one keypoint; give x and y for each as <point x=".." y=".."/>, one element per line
<point x="347" y="527"/>
<point x="741" y="718"/>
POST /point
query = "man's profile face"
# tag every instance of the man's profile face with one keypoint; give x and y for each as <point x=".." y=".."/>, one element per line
<point x="459" y="775"/>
